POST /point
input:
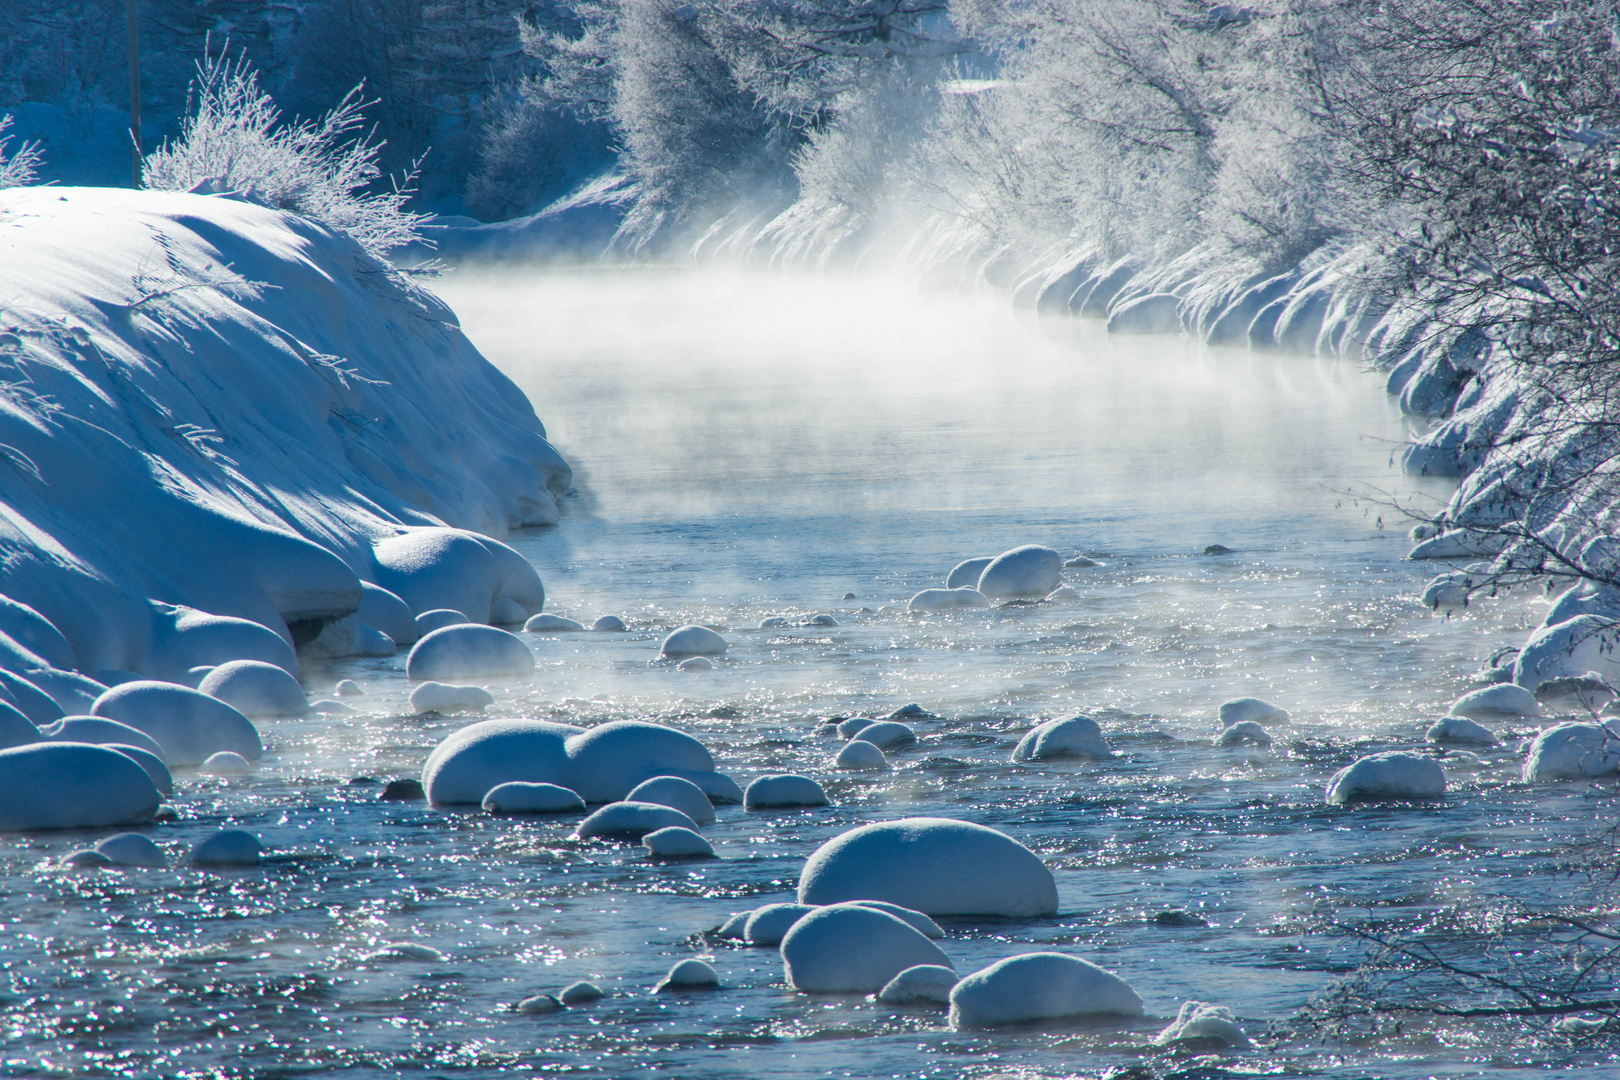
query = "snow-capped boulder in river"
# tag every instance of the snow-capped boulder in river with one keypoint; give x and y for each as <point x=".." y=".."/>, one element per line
<point x="948" y="599"/>
<point x="1244" y="731"/>
<point x="435" y="567"/>
<point x="609" y="624"/>
<point x="98" y="731"/>
<point x="132" y="849"/>
<point x="438" y="619"/>
<point x="1507" y="701"/>
<point x="1388" y="776"/>
<point x="255" y="688"/>
<point x="884" y="734"/>
<point x="783" y="791"/>
<point x="188" y="724"/>
<point x="769" y="924"/>
<point x="162" y="779"/>
<point x="967" y="572"/>
<point x="931" y="983"/>
<point x="1240" y="709"/>
<point x="449" y="698"/>
<point x="383" y="611"/>
<point x="552" y="624"/>
<point x="468" y="652"/>
<point x="858" y="755"/>
<point x="1199" y="1021"/>
<point x="1039" y="986"/>
<point x="73" y="786"/>
<point x="693" y="640"/>
<point x="672" y="791"/>
<point x="521" y="798"/>
<point x="1077" y="737"/>
<point x="228" y="848"/>
<point x="1458" y="729"/>
<point x="1025" y="573"/>
<point x="937" y="866"/>
<point x="633" y="819"/>
<point x="1573" y="647"/>
<point x="466" y="765"/>
<point x="1574" y="752"/>
<point x="689" y="975"/>
<point x="675" y="842"/>
<point x="609" y="760"/>
<point x="853" y="949"/>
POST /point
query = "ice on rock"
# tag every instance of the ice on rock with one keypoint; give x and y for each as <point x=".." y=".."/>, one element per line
<point x="1573" y="752"/>
<point x="387" y="613"/>
<point x="49" y="785"/>
<point x="1247" y="708"/>
<point x="633" y="820"/>
<point x="255" y="689"/>
<point x="471" y="761"/>
<point x="449" y="698"/>
<point x="1461" y="730"/>
<point x="505" y="611"/>
<point x="689" y="975"/>
<point x="609" y="760"/>
<point x="468" y="651"/>
<point x="695" y="663"/>
<point x="693" y="640"/>
<point x="857" y="755"/>
<point x="674" y="792"/>
<point x="783" y="791"/>
<point x="1388" y="776"/>
<point x="552" y="624"/>
<point x="1244" y="731"/>
<point x="1573" y="647"/>
<point x="228" y="847"/>
<point x="349" y="688"/>
<point x="438" y="619"/>
<point x="1039" y="986"/>
<point x="434" y="567"/>
<point x="99" y="731"/>
<point x="675" y="842"/>
<point x="968" y="572"/>
<point x="610" y="624"/>
<point x="1077" y="737"/>
<point x="1506" y="701"/>
<point x="225" y="763"/>
<point x="538" y="1005"/>
<point x="1201" y="1022"/>
<point x="884" y="734"/>
<point x="925" y="982"/>
<point x="1024" y="573"/>
<point x="188" y="724"/>
<point x="581" y="993"/>
<point x="948" y="599"/>
<point x="768" y="925"/>
<point x="853" y="949"/>
<point x="15" y="728"/>
<point x="937" y="866"/>
<point x="517" y="797"/>
<point x="155" y="768"/>
<point x="133" y="849"/>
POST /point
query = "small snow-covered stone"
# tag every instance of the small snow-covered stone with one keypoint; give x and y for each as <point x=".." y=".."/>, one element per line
<point x="675" y="842"/>
<point x="851" y="948"/>
<point x="1077" y="737"/>
<point x="1573" y="752"/>
<point x="1024" y="573"/>
<point x="1199" y="1021"/>
<point x="774" y="622"/>
<point x="610" y="624"/>
<point x="505" y="611"/>
<point x="225" y="763"/>
<point x="86" y="859"/>
<point x="552" y="624"/>
<point x="449" y="698"/>
<point x="255" y="688"/>
<point x="689" y="975"/>
<point x="911" y="711"/>
<point x="538" y="1005"/>
<point x="821" y="620"/>
<point x="438" y="619"/>
<point x="228" y="847"/>
<point x="732" y="928"/>
<point x="99" y="731"/>
<point x="633" y="819"/>
<point x="517" y="797"/>
<point x="858" y="755"/>
<point x="468" y="651"/>
<point x="937" y="866"/>
<point x="1039" y="986"/>
<point x="720" y="788"/>
<point x="349" y="688"/>
<point x="1063" y="594"/>
<point x="769" y="924"/>
<point x="1573" y="647"/>
<point x="1496" y="703"/>
<point x="783" y="791"/>
<point x="1244" y="731"/>
<point x="695" y="663"/>
<point x="406" y="950"/>
<point x="1391" y="775"/>
<point x="132" y="849"/>
<point x="968" y="572"/>
<point x="47" y="785"/>
<point x="1247" y="708"/>
<point x="1462" y="730"/>
<point x="1080" y="562"/>
<point x="848" y="728"/>
<point x="581" y="993"/>
<point x="672" y="791"/>
<point x="328" y="707"/>
<point x="925" y="982"/>
<point x="884" y="734"/>
<point x="188" y="724"/>
<point x="948" y="599"/>
<point x="691" y="640"/>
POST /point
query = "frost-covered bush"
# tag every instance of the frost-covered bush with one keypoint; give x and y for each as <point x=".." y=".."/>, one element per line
<point x="234" y="140"/>
<point x="532" y="155"/>
<point x="19" y="166"/>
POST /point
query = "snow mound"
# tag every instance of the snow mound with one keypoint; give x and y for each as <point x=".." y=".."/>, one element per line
<point x="1039" y="986"/>
<point x="1024" y="573"/>
<point x="388" y="614"/>
<point x="228" y="847"/>
<point x="1462" y="730"/>
<point x="925" y="982"/>
<point x="449" y="698"/>
<point x="1391" y="775"/>
<point x="99" y="731"/>
<point x="72" y="786"/>
<point x="254" y="688"/>
<point x="1496" y="703"/>
<point x="611" y="624"/>
<point x="1573" y="647"/>
<point x="438" y="619"/>
<point x="225" y="763"/>
<point x="784" y="790"/>
<point x="1076" y="737"/>
<point x="469" y="762"/>
<point x="1244" y="731"/>
<point x="633" y="819"/>
<point x="768" y="925"/>
<point x="677" y="794"/>
<point x="520" y="798"/>
<point x="689" y="975"/>
<point x="15" y="728"/>
<point x="434" y="568"/>
<point x="933" y="865"/>
<point x="1573" y="752"/>
<point x="675" y="842"/>
<point x="132" y="849"/>
<point x="609" y="760"/>
<point x="884" y="734"/>
<point x="948" y="599"/>
<point x="1200" y="1021"/>
<point x="1247" y="708"/>
<point x="188" y="724"/>
<point x="858" y="755"/>
<point x="968" y="572"/>
<point x="468" y="651"/>
<point x="693" y="641"/>
<point x="851" y="948"/>
<point x="551" y="624"/>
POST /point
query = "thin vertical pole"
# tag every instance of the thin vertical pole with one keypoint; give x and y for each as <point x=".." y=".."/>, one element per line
<point x="135" y="88"/>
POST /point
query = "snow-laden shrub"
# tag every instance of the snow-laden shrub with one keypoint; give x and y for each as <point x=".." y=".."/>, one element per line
<point x="234" y="140"/>
<point x="19" y="166"/>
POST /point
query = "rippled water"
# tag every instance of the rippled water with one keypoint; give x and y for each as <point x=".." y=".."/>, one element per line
<point x="749" y="447"/>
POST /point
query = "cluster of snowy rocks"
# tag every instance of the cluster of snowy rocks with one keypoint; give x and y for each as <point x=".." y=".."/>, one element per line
<point x="1023" y="575"/>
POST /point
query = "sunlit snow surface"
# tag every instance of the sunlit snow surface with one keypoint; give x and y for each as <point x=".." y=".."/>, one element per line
<point x="751" y="447"/>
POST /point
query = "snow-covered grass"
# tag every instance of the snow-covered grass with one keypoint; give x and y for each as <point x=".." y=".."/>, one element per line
<point x="19" y="166"/>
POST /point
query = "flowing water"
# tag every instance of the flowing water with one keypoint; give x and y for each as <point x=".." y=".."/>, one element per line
<point x="749" y="447"/>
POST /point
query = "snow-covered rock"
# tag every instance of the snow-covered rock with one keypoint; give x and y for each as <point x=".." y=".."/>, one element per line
<point x="228" y="847"/>
<point x="188" y="724"/>
<point x="884" y="734"/>
<point x="821" y="620"/>
<point x="693" y="640"/>
<point x="948" y="599"/>
<point x="610" y="624"/>
<point x="255" y="688"/>
<point x="675" y="842"/>
<point x="387" y="613"/>
<point x="1080" y="562"/>
<point x="847" y="729"/>
<point x="1573" y="647"/>
<point x="858" y="755"/>
<point x="329" y="707"/>
<point x="919" y="922"/>
<point x="438" y="619"/>
<point x="1589" y="691"/>
<point x="773" y="622"/>
<point x="933" y="865"/>
<point x="437" y="568"/>
<point x="1573" y="752"/>
<point x="467" y="764"/>
<point x="538" y="1005"/>
<point x="517" y="797"/>
<point x="1247" y="708"/>
<point x="15" y="728"/>
<point x="1460" y="730"/>
<point x="349" y="688"/>
<point x="50" y="785"/>
<point x="225" y="763"/>
<point x="672" y="791"/>
<point x="468" y="651"/>
<point x="1024" y="573"/>
<point x="720" y="788"/>
<point x="1449" y="590"/>
<point x="1496" y="703"/>
<point x="1390" y="775"/>
<point x="851" y="948"/>
<point x="1063" y="594"/>
<point x="609" y="760"/>
<point x="1244" y="731"/>
<point x="99" y="731"/>
<point x="1039" y="986"/>
<point x="449" y="698"/>
<point x="967" y="572"/>
<point x="552" y="624"/>
<point x="783" y="791"/>
<point x="1199" y="1021"/>
<point x="132" y="849"/>
<point x="154" y="765"/>
<point x="633" y="819"/>
<point x="580" y="993"/>
<point x="695" y="663"/>
<point x="1077" y="737"/>
<point x="732" y="928"/>
<point x="689" y="975"/>
<point x="925" y="982"/>
<point x="769" y="924"/>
